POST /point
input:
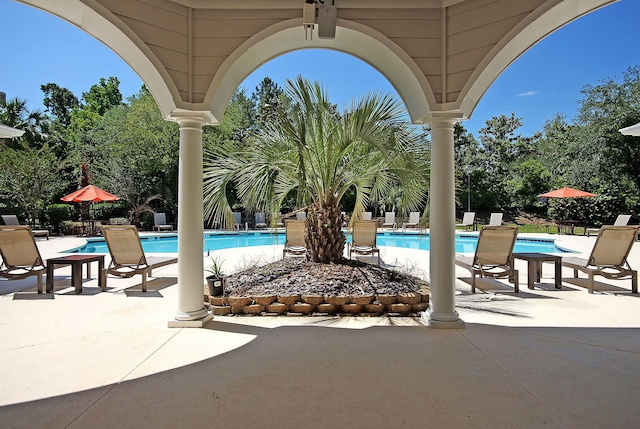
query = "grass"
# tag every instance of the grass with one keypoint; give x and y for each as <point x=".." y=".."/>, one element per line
<point x="578" y="230"/>
<point x="536" y="228"/>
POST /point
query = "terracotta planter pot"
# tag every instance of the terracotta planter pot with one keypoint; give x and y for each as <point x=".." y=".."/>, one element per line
<point x="421" y="306"/>
<point x="351" y="308"/>
<point x="253" y="309"/>
<point x="362" y="299"/>
<point x="313" y="299"/>
<point x="399" y="308"/>
<point x="409" y="298"/>
<point x="220" y="310"/>
<point x="277" y="308"/>
<point x="264" y="299"/>
<point x="336" y="300"/>
<point x="239" y="301"/>
<point x="219" y="300"/>
<point x="301" y="307"/>
<point x="288" y="299"/>
<point x="376" y="308"/>
<point x="387" y="299"/>
<point x="326" y="308"/>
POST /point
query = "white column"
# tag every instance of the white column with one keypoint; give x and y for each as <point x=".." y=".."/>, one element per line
<point x="191" y="311"/>
<point x="442" y="224"/>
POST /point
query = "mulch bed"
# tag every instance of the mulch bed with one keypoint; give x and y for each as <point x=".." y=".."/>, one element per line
<point x="295" y="286"/>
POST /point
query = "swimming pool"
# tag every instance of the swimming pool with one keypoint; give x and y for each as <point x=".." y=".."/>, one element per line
<point x="216" y="241"/>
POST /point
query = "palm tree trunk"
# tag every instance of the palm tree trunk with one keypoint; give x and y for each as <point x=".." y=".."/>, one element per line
<point x="325" y="239"/>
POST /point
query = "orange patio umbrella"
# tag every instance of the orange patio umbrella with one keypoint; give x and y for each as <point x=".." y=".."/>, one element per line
<point x="567" y="193"/>
<point x="89" y="193"/>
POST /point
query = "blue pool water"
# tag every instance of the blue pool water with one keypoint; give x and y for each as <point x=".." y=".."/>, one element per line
<point x="169" y="244"/>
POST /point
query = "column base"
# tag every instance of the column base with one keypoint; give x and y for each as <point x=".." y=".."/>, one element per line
<point x="197" y="319"/>
<point x="452" y="323"/>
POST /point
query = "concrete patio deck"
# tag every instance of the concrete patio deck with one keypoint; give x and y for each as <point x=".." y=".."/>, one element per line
<point x="543" y="357"/>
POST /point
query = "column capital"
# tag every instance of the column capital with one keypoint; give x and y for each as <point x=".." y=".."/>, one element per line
<point x="192" y="117"/>
<point x="440" y="119"/>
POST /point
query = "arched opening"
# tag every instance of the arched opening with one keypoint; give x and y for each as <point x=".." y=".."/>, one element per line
<point x="344" y="75"/>
<point x="167" y="62"/>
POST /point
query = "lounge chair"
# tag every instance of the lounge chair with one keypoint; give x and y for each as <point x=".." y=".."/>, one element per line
<point x="389" y="220"/>
<point x="127" y="255"/>
<point x="608" y="257"/>
<point x="495" y="219"/>
<point x="493" y="257"/>
<point x="467" y="220"/>
<point x="294" y="238"/>
<point x="260" y="221"/>
<point x="20" y="255"/>
<point x="12" y="220"/>
<point x="621" y="220"/>
<point x="364" y="239"/>
<point x="301" y="216"/>
<point x="237" y="220"/>
<point x="414" y="220"/>
<point x="160" y="222"/>
<point x="366" y="216"/>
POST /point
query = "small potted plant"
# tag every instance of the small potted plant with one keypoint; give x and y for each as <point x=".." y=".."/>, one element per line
<point x="215" y="279"/>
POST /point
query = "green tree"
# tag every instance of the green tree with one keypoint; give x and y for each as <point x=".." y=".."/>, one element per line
<point x="466" y="150"/>
<point x="501" y="149"/>
<point x="103" y="96"/>
<point x="29" y="178"/>
<point x="235" y="125"/>
<point x="59" y="102"/>
<point x="591" y="154"/>
<point x="135" y="154"/>
<point x="269" y="101"/>
<point x="317" y="155"/>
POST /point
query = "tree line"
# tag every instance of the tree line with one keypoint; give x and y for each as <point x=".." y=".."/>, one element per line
<point x="131" y="151"/>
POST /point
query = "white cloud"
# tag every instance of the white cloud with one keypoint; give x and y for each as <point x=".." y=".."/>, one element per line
<point x="528" y="94"/>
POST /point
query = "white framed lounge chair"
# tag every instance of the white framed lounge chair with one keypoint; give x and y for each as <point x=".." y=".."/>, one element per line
<point x="301" y="216"/>
<point x="621" y="220"/>
<point x="389" y="220"/>
<point x="414" y="220"/>
<point x="12" y="220"/>
<point x="494" y="255"/>
<point x="366" y="216"/>
<point x="495" y="219"/>
<point x="20" y="255"/>
<point x="127" y="256"/>
<point x="160" y="223"/>
<point x="260" y="221"/>
<point x="468" y="220"/>
<point x="363" y="240"/>
<point x="237" y="220"/>
<point x="608" y="257"/>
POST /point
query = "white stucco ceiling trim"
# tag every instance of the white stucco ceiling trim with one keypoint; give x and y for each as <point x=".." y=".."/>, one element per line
<point x="633" y="130"/>
<point x="351" y="38"/>
<point x="7" y="132"/>
<point x="104" y="26"/>
<point x="549" y="17"/>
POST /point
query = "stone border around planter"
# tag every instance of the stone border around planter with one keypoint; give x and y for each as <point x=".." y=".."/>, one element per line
<point x="402" y="304"/>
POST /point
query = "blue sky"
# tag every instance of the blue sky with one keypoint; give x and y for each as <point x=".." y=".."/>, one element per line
<point x="38" y="48"/>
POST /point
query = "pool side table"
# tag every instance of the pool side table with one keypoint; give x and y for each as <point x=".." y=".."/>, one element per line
<point x="76" y="261"/>
<point x="534" y="261"/>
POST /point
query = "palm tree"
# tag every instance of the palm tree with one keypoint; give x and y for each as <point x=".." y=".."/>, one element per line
<point x="16" y="114"/>
<point x="316" y="155"/>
